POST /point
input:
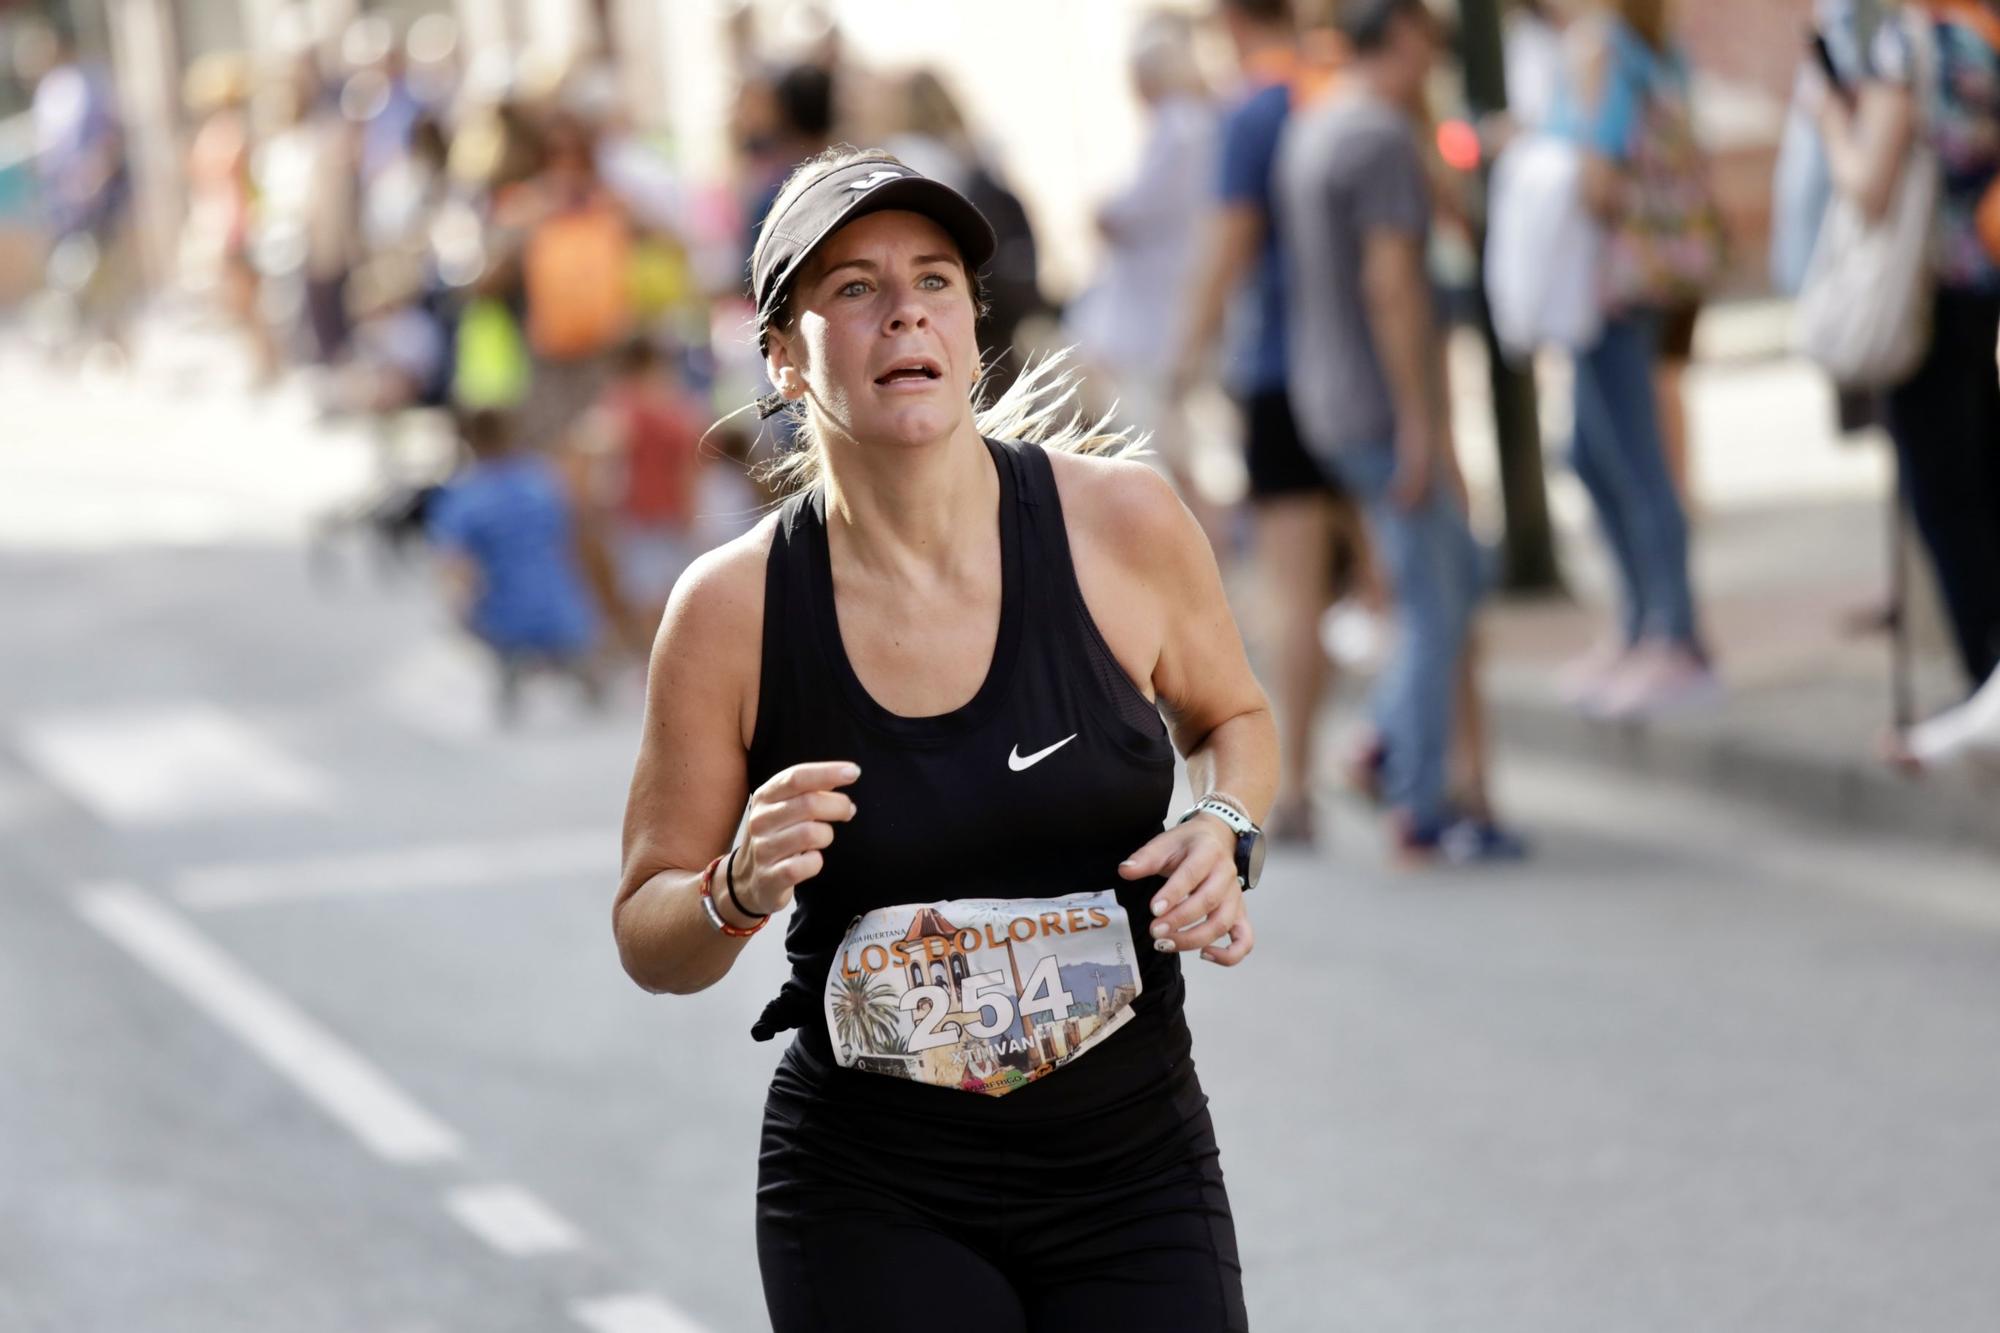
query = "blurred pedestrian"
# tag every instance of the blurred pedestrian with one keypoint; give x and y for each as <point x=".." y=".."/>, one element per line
<point x="504" y="528"/>
<point x="1305" y="523"/>
<point x="1625" y="104"/>
<point x="934" y="137"/>
<point x="652" y="436"/>
<point x="80" y="160"/>
<point x="827" y="670"/>
<point x="1937" y="74"/>
<point x="399" y="351"/>
<point x="782" y="118"/>
<point x="408" y="194"/>
<point x="1533" y="50"/>
<point x="308" y="218"/>
<point x="215" y="242"/>
<point x="1367" y="359"/>
<point x="576" y="274"/>
<point x="1800" y="184"/>
<point x="1123" y="324"/>
<point x="385" y="104"/>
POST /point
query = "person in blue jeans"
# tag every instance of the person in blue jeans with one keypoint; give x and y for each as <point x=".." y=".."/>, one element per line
<point x="505" y="531"/>
<point x="1655" y="660"/>
<point x="1305" y="526"/>
<point x="1367" y="384"/>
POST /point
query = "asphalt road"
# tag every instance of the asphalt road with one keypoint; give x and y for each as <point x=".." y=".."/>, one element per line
<point x="311" y="1021"/>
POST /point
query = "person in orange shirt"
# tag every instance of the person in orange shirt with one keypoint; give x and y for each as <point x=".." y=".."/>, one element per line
<point x="654" y="433"/>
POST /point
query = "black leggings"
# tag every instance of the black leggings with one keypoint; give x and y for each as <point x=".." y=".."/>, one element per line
<point x="1946" y="424"/>
<point x="1059" y="1233"/>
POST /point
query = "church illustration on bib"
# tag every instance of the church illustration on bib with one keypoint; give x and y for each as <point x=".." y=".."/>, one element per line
<point x="986" y="1006"/>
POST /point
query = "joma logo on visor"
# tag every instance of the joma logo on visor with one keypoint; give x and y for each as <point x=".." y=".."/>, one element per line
<point x="873" y="179"/>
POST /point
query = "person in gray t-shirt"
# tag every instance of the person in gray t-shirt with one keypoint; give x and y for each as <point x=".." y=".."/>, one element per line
<point x="1347" y="170"/>
<point x="1366" y="383"/>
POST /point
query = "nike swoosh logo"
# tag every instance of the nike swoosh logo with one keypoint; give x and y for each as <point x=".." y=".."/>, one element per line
<point x="1016" y="762"/>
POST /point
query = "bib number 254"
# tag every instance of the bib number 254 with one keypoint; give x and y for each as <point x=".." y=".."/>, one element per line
<point x="988" y="995"/>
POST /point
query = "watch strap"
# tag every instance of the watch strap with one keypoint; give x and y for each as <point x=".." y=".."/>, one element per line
<point x="1238" y="822"/>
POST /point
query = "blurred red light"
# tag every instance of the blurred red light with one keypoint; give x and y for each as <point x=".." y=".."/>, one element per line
<point x="1458" y="145"/>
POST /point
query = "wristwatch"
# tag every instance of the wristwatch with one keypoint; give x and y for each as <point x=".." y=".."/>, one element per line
<point x="1249" y="838"/>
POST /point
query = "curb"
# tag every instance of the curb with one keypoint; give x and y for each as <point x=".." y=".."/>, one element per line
<point x="1851" y="794"/>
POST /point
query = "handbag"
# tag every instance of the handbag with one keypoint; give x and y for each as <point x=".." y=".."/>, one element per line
<point x="1541" y="249"/>
<point x="1863" y="315"/>
<point x="1667" y="247"/>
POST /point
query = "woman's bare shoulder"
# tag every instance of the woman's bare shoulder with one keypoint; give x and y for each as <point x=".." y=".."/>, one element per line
<point x="1137" y="553"/>
<point x="707" y="654"/>
<point x="1122" y="505"/>
<point x="722" y="592"/>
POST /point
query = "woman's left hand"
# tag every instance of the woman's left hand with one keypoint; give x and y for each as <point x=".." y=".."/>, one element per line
<point x="1201" y="904"/>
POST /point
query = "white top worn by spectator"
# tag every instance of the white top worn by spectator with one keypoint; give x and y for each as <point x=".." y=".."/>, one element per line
<point x="1534" y="63"/>
<point x="1128" y="318"/>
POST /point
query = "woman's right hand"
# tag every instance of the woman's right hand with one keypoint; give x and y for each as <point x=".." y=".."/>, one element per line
<point x="790" y="822"/>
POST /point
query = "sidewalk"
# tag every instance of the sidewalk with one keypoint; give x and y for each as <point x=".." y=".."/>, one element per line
<point x="1790" y="543"/>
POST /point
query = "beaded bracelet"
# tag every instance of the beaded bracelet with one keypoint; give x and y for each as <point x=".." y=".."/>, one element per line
<point x="714" y="916"/>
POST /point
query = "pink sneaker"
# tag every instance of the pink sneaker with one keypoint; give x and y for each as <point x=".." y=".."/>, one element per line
<point x="1658" y="678"/>
<point x="1581" y="681"/>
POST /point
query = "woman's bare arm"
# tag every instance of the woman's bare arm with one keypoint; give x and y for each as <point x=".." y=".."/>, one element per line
<point x="689" y="784"/>
<point x="1587" y="60"/>
<point x="1151" y="583"/>
<point x="1867" y="142"/>
<point x="1231" y="241"/>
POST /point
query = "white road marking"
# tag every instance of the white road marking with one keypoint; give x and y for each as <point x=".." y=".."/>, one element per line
<point x="457" y="865"/>
<point x="442" y="688"/>
<point x="149" y="766"/>
<point x="632" y="1314"/>
<point x="512" y="1220"/>
<point x="344" y="1085"/>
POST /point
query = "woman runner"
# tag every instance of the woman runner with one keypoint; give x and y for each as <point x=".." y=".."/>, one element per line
<point x="938" y="676"/>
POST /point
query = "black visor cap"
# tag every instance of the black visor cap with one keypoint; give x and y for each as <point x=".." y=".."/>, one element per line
<point x="854" y="191"/>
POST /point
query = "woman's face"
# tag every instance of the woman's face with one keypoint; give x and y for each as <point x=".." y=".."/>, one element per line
<point x="882" y="332"/>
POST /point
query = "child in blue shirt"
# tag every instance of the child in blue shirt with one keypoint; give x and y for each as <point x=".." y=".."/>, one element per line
<point x="505" y="529"/>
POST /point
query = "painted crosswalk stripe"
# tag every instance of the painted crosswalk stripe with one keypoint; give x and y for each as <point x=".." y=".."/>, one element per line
<point x="444" y="865"/>
<point x="322" y="1067"/>
<point x="162" y="765"/>
<point x="512" y="1220"/>
<point x="632" y="1314"/>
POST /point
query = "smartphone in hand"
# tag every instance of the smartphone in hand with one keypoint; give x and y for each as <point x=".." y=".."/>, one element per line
<point x="1823" y="57"/>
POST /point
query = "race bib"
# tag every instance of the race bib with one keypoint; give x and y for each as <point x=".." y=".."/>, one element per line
<point x="981" y="994"/>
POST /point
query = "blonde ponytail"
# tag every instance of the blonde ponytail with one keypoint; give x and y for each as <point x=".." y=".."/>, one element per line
<point x="1039" y="407"/>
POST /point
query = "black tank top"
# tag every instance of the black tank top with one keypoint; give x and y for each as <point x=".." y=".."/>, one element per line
<point x="941" y="811"/>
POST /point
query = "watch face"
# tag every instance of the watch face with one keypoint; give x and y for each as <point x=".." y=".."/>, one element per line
<point x="1254" y="869"/>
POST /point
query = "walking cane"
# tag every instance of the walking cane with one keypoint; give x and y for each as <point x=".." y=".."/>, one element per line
<point x="1902" y="701"/>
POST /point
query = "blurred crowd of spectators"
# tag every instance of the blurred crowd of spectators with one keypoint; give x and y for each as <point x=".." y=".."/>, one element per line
<point x="521" y="255"/>
<point x="371" y="214"/>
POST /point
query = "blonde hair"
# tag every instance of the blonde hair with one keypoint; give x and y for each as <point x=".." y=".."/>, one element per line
<point x="1039" y="407"/>
<point x="1648" y="18"/>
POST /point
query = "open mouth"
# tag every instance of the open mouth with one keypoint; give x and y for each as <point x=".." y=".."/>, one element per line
<point x="915" y="370"/>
